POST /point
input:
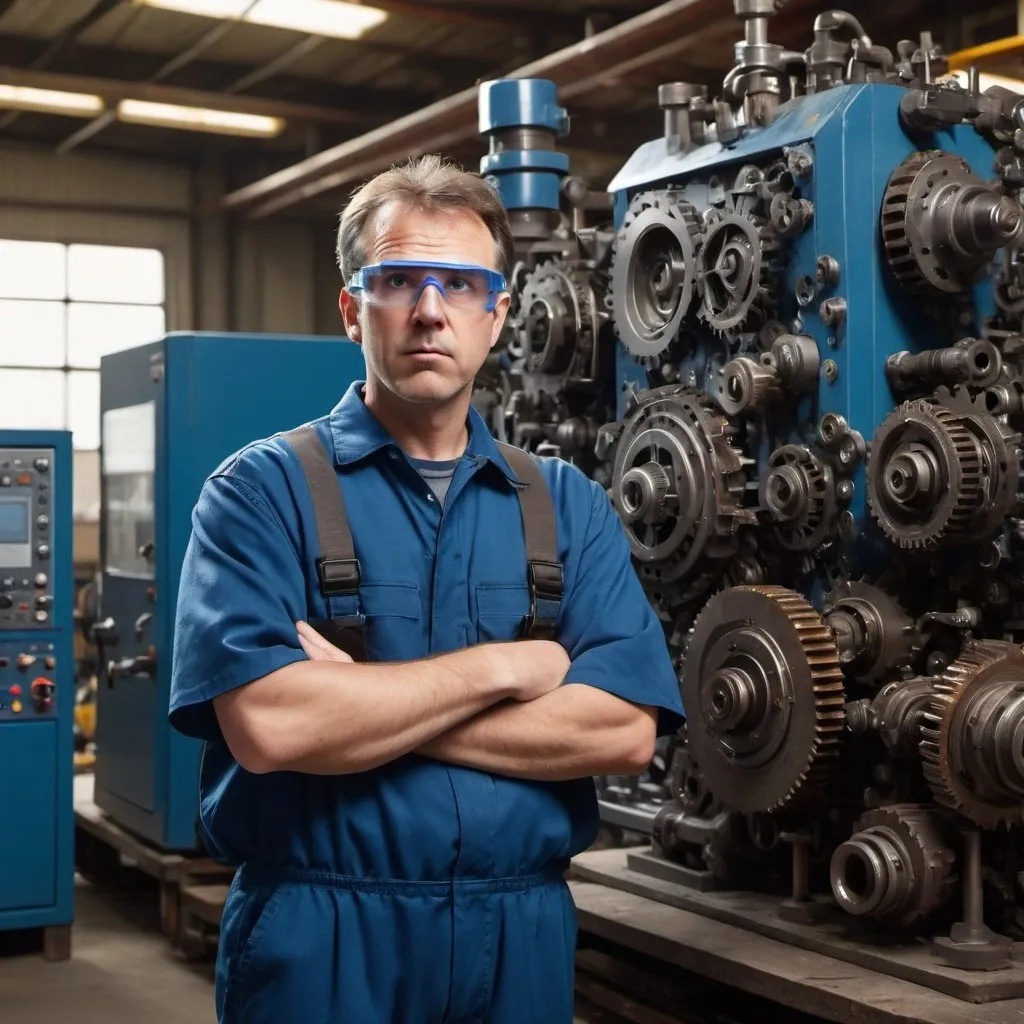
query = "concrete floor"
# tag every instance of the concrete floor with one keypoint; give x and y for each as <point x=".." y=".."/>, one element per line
<point x="122" y="970"/>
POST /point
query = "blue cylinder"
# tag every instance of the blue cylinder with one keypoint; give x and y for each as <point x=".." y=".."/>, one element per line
<point x="522" y="118"/>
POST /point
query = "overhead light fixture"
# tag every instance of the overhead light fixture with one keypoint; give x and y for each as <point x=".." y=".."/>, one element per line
<point x="217" y="122"/>
<point x="315" y="17"/>
<point x="50" y="101"/>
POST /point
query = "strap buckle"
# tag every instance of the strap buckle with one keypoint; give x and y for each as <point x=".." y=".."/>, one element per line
<point x="546" y="582"/>
<point x="339" y="577"/>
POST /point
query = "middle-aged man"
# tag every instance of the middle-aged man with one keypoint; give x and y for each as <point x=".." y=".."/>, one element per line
<point x="403" y="803"/>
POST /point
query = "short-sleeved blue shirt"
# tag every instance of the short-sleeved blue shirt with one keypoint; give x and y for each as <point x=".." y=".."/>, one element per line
<point x="433" y="580"/>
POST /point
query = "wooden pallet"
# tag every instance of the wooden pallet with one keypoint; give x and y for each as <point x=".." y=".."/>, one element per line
<point x="104" y="851"/>
<point x="746" y="962"/>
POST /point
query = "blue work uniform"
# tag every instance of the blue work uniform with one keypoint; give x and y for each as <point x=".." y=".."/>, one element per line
<point x="418" y="892"/>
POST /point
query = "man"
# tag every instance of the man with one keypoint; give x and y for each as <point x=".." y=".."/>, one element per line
<point x="402" y="821"/>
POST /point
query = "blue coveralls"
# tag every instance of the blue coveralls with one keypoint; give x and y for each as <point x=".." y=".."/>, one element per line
<point x="418" y="892"/>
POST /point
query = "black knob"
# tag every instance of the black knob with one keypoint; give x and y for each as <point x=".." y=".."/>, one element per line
<point x="6" y="601"/>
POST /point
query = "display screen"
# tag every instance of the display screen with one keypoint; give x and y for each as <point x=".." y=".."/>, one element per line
<point x="14" y="522"/>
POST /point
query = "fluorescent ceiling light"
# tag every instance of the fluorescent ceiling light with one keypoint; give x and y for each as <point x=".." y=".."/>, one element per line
<point x="218" y="122"/>
<point x="49" y="101"/>
<point x="315" y="17"/>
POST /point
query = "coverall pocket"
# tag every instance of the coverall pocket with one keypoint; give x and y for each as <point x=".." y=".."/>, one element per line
<point x="258" y="909"/>
<point x="391" y="608"/>
<point x="500" y="610"/>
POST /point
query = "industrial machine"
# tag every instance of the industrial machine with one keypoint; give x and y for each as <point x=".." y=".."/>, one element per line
<point x="37" y="685"/>
<point x="817" y="290"/>
<point x="550" y="383"/>
<point x="172" y="411"/>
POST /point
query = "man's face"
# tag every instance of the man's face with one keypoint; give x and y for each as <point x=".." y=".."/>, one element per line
<point x="430" y="352"/>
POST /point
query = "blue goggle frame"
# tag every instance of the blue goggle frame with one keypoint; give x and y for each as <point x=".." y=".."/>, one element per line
<point x="496" y="283"/>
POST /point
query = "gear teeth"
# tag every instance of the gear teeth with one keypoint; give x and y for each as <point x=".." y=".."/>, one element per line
<point x="961" y="451"/>
<point x="644" y="348"/>
<point x="902" y="260"/>
<point x="947" y="784"/>
<point x="819" y="678"/>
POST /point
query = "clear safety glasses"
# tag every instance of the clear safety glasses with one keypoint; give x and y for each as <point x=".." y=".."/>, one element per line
<point x="400" y="284"/>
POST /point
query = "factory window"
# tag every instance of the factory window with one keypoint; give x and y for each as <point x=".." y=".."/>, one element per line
<point x="62" y="307"/>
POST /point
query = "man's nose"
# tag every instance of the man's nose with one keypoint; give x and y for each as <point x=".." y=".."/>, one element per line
<point x="429" y="308"/>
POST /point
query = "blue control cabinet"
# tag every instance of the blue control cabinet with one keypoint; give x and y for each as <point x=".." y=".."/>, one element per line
<point x="37" y="680"/>
<point x="172" y="411"/>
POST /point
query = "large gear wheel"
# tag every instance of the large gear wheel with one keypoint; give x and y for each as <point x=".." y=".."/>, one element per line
<point x="678" y="485"/>
<point x="653" y="269"/>
<point x="555" y="317"/>
<point x="763" y="693"/>
<point x="924" y="475"/>
<point x="896" y="867"/>
<point x="972" y="739"/>
<point x="730" y="268"/>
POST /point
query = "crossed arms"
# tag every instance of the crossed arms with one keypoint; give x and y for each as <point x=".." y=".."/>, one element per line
<point x="498" y="707"/>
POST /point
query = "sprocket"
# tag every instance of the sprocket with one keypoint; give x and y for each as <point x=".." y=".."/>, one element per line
<point x="731" y="264"/>
<point x="555" y="318"/>
<point x="653" y="270"/>
<point x="924" y="475"/>
<point x="764" y="696"/>
<point x="678" y="485"/>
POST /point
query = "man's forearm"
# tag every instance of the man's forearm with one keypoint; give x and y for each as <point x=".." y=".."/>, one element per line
<point x="330" y="718"/>
<point x="326" y="718"/>
<point x="570" y="733"/>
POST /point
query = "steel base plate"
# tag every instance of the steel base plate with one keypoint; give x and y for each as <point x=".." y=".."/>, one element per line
<point x="841" y="938"/>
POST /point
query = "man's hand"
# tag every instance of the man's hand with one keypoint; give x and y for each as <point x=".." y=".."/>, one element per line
<point x="316" y="647"/>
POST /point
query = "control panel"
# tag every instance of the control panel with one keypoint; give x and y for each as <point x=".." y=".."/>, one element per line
<point x="28" y="681"/>
<point x="26" y="544"/>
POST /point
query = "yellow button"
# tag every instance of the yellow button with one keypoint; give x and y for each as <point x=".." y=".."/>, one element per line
<point x="16" y="706"/>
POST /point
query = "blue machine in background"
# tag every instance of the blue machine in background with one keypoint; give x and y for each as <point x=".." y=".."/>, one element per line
<point x="37" y="685"/>
<point x="815" y="292"/>
<point x="172" y="411"/>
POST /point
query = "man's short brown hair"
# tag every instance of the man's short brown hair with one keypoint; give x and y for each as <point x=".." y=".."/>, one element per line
<point x="425" y="183"/>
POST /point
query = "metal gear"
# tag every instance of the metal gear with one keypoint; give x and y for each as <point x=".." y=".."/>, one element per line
<point x="555" y="317"/>
<point x="653" y="269"/>
<point x="972" y="737"/>
<point x="763" y="691"/>
<point x="874" y="634"/>
<point x="799" y="494"/>
<point x="924" y="475"/>
<point x="941" y="224"/>
<point x="1001" y="456"/>
<point x="729" y="271"/>
<point x="895" y="867"/>
<point x="678" y="486"/>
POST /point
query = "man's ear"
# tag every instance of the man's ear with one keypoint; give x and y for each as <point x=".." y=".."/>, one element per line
<point x="500" y="312"/>
<point x="349" y="307"/>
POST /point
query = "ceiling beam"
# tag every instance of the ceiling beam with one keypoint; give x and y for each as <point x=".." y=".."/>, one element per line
<point x="503" y="16"/>
<point x="454" y="119"/>
<point x="366" y="104"/>
<point x="112" y="90"/>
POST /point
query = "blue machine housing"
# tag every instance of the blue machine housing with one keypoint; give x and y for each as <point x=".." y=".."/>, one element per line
<point x="37" y="825"/>
<point x="855" y="141"/>
<point x="526" y="177"/>
<point x="172" y="412"/>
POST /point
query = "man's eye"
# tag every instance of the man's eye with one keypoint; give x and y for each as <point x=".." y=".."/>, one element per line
<point x="397" y="280"/>
<point x="458" y="284"/>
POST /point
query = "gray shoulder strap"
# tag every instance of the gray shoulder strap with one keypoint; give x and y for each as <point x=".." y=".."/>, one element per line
<point x="337" y="566"/>
<point x="539" y="525"/>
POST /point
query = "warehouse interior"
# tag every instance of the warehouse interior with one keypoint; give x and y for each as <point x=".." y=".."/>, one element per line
<point x="172" y="173"/>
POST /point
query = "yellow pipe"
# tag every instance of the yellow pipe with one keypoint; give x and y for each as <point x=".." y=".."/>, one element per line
<point x="986" y="52"/>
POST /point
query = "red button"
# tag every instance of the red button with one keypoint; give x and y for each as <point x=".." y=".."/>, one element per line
<point x="15" y="690"/>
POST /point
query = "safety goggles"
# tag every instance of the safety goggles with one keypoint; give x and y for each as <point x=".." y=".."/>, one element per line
<point x="401" y="283"/>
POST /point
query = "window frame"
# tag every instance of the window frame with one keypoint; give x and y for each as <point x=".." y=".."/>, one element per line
<point x="66" y="302"/>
